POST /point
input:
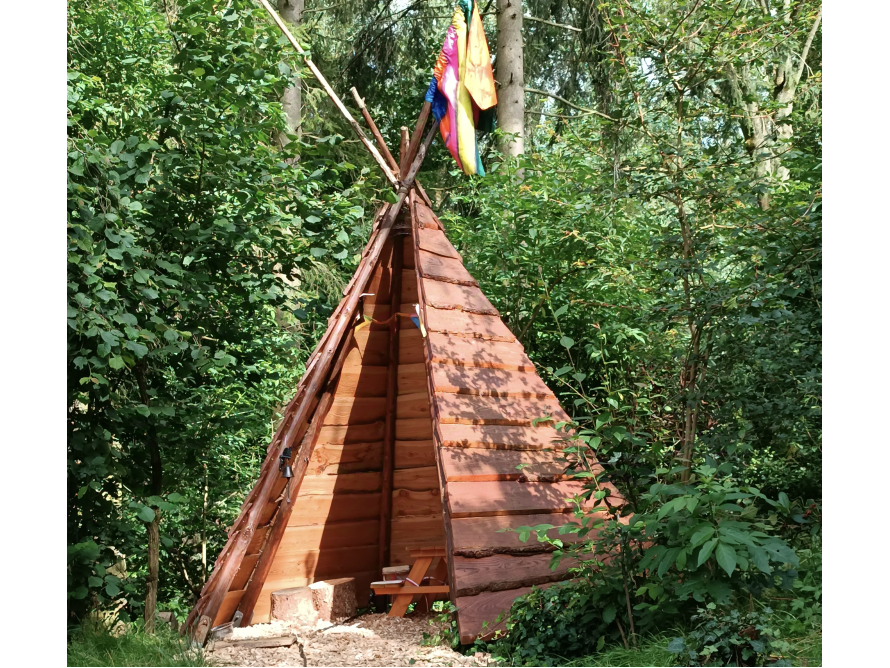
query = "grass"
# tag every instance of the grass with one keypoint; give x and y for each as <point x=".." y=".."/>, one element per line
<point x="95" y="646"/>
<point x="652" y="651"/>
<point x="805" y="651"/>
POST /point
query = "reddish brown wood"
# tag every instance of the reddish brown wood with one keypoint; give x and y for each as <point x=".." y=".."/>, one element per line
<point x="480" y="499"/>
<point x="403" y="153"/>
<point x="449" y="321"/>
<point x="418" y="129"/>
<point x="474" y="611"/>
<point x="435" y="241"/>
<point x="444" y="269"/>
<point x="392" y="394"/>
<point x="489" y="382"/>
<point x="470" y="299"/>
<point x="503" y="571"/>
<point x="470" y="352"/>
<point x="299" y="464"/>
<point x="483" y="465"/>
<point x="481" y="536"/>
<point x="516" y="411"/>
<point x="499" y="437"/>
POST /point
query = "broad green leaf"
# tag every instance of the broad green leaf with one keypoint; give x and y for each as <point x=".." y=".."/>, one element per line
<point x="566" y="342"/>
<point x="726" y="557"/>
<point x="146" y="514"/>
<point x="705" y="551"/>
<point x="609" y="614"/>
<point x="701" y="535"/>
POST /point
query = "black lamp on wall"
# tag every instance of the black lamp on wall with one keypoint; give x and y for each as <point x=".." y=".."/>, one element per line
<point x="286" y="471"/>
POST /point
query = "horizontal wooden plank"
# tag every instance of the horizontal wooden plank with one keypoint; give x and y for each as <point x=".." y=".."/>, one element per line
<point x="377" y="312"/>
<point x="344" y="483"/>
<point x="363" y="381"/>
<point x="542" y="437"/>
<point x="322" y="564"/>
<point x="436" y="242"/>
<point x="426" y="218"/>
<point x="329" y="458"/>
<point x="489" y="382"/>
<point x="468" y="299"/>
<point x="355" y="410"/>
<point x="410" y="346"/>
<point x="245" y="570"/>
<point x="515" y="411"/>
<point x="416" y="479"/>
<point x="261" y="613"/>
<point x="369" y="348"/>
<point x="250" y="643"/>
<point x="413" y="532"/>
<point x="460" y="323"/>
<point x="505" y="571"/>
<point x="329" y="536"/>
<point x="408" y="503"/>
<point x="351" y="434"/>
<point x="473" y="536"/>
<point x="227" y="609"/>
<point x="413" y="406"/>
<point x="411" y="454"/>
<point x="481" y="465"/>
<point x="466" y="351"/>
<point x="474" y="611"/>
<point x="334" y="508"/>
<point x="444" y="269"/>
<point x="412" y="379"/>
<point x="409" y="589"/>
<point x="414" y="429"/>
<point x="477" y="499"/>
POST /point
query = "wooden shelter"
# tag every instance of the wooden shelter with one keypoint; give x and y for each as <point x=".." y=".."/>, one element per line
<point x="406" y="432"/>
<point x="418" y="424"/>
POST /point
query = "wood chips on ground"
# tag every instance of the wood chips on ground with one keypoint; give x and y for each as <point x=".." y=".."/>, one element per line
<point x="369" y="640"/>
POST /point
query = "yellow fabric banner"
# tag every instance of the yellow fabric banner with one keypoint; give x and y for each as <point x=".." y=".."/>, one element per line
<point x="479" y="79"/>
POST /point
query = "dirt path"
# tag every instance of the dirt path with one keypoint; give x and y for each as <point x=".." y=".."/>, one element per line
<point x="369" y="640"/>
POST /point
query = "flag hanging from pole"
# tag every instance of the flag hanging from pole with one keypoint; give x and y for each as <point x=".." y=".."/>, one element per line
<point x="462" y="85"/>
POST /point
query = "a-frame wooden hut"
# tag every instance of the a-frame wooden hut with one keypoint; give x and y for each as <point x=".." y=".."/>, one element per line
<point x="405" y="433"/>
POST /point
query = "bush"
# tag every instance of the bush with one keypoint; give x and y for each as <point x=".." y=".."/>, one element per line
<point x="729" y="639"/>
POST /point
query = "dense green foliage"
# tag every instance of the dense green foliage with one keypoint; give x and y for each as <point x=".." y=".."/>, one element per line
<point x="660" y="261"/>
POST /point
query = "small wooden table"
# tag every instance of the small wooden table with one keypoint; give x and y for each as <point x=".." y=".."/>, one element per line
<point x="405" y="590"/>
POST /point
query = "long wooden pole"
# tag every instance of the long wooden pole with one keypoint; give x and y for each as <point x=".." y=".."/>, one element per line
<point x="331" y="94"/>
<point x="300" y="463"/>
<point x="372" y="126"/>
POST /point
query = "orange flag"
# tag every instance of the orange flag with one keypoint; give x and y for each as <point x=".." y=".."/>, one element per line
<point x="479" y="79"/>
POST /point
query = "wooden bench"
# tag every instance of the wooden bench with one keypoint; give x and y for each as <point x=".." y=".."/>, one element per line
<point x="404" y="590"/>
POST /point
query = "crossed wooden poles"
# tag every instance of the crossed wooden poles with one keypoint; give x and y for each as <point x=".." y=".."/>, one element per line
<point x="315" y="388"/>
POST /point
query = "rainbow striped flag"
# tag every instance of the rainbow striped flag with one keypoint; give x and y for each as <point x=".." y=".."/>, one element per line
<point x="462" y="86"/>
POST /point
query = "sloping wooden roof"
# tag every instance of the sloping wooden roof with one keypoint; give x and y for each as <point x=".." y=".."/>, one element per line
<point x="463" y="421"/>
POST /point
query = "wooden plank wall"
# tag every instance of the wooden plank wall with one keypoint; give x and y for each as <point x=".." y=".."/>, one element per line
<point x="334" y="527"/>
<point x="416" y="505"/>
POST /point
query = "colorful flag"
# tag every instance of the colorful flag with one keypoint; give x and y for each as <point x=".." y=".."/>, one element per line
<point x="462" y="85"/>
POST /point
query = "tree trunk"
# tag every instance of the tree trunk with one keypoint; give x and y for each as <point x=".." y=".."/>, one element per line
<point x="292" y="12"/>
<point x="154" y="549"/>
<point x="156" y="486"/>
<point x="510" y="76"/>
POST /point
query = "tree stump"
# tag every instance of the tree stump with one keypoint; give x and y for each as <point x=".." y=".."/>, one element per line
<point x="330" y="601"/>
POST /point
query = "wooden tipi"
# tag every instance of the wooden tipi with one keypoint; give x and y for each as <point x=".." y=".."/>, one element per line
<point x="405" y="432"/>
<point x="417" y="424"/>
